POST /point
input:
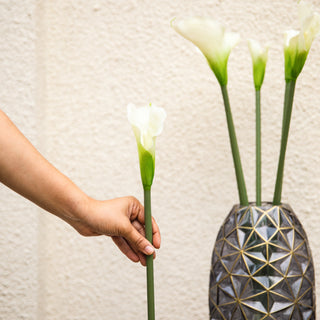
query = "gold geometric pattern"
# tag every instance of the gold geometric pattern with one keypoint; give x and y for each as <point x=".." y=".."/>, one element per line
<point x="262" y="266"/>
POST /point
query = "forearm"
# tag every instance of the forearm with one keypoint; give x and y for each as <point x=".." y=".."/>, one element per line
<point x="24" y="170"/>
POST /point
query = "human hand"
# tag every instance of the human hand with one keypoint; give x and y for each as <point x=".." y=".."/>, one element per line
<point x="120" y="218"/>
<point x="32" y="176"/>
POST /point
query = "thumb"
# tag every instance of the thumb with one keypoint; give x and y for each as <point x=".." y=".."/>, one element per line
<point x="139" y="242"/>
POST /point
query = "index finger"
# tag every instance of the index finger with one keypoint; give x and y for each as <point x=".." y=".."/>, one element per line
<point x="156" y="236"/>
<point x="137" y="213"/>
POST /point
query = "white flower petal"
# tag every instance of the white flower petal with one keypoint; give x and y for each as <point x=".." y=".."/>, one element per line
<point x="311" y="30"/>
<point x="309" y="24"/>
<point x="305" y="12"/>
<point x="231" y="39"/>
<point x="257" y="51"/>
<point x="259" y="57"/>
<point x="136" y="116"/>
<point x="298" y="43"/>
<point x="289" y="35"/>
<point x="208" y="35"/>
<point x="204" y="33"/>
<point x="147" y="123"/>
<point x="213" y="41"/>
<point x="146" y="140"/>
<point x="255" y="48"/>
<point x="156" y="120"/>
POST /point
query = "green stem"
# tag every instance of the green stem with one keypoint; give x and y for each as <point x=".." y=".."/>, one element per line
<point x="287" y="109"/>
<point x="258" y="148"/>
<point x="235" y="150"/>
<point x="148" y="229"/>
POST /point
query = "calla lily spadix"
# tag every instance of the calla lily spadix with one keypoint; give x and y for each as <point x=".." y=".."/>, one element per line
<point x="298" y="43"/>
<point x="259" y="57"/>
<point x="212" y="39"/>
<point x="147" y="123"/>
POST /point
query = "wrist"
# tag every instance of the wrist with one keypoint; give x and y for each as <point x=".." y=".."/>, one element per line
<point x="77" y="206"/>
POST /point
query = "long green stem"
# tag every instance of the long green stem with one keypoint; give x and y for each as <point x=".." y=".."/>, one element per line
<point x="148" y="229"/>
<point x="258" y="148"/>
<point x="287" y="109"/>
<point x="235" y="149"/>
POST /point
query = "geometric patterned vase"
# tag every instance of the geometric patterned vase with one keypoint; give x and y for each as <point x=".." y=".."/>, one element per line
<point x="262" y="266"/>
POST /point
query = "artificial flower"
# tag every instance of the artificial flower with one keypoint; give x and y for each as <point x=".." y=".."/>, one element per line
<point x="298" y="43"/>
<point x="147" y="123"/>
<point x="212" y="39"/>
<point x="259" y="56"/>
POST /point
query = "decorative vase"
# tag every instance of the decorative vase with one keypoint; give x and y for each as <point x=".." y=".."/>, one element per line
<point x="262" y="266"/>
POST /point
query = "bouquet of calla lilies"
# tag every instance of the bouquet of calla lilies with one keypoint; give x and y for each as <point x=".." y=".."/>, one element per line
<point x="216" y="44"/>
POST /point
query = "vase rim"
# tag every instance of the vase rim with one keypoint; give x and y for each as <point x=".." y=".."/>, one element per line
<point x="268" y="204"/>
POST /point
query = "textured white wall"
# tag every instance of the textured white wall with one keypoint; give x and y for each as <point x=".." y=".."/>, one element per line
<point x="68" y="70"/>
<point x="19" y="232"/>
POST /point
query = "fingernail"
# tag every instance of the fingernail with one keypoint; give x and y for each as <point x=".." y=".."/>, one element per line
<point x="149" y="250"/>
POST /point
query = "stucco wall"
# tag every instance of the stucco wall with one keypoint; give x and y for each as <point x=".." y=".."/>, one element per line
<point x="19" y="226"/>
<point x="68" y="69"/>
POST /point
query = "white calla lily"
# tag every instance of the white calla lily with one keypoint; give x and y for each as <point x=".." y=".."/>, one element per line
<point x="212" y="39"/>
<point x="259" y="57"/>
<point x="298" y="43"/>
<point x="147" y="123"/>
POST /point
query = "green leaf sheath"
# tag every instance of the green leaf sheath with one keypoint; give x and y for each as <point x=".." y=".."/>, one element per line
<point x="148" y="229"/>
<point x="146" y="166"/>
<point x="235" y="149"/>
<point x="258" y="148"/>
<point x="287" y="110"/>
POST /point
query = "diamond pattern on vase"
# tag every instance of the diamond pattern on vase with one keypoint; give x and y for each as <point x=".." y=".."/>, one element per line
<point x="262" y="266"/>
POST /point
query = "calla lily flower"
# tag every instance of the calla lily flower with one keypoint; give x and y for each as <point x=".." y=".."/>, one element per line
<point x="212" y="39"/>
<point x="259" y="56"/>
<point x="147" y="123"/>
<point x="298" y="43"/>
